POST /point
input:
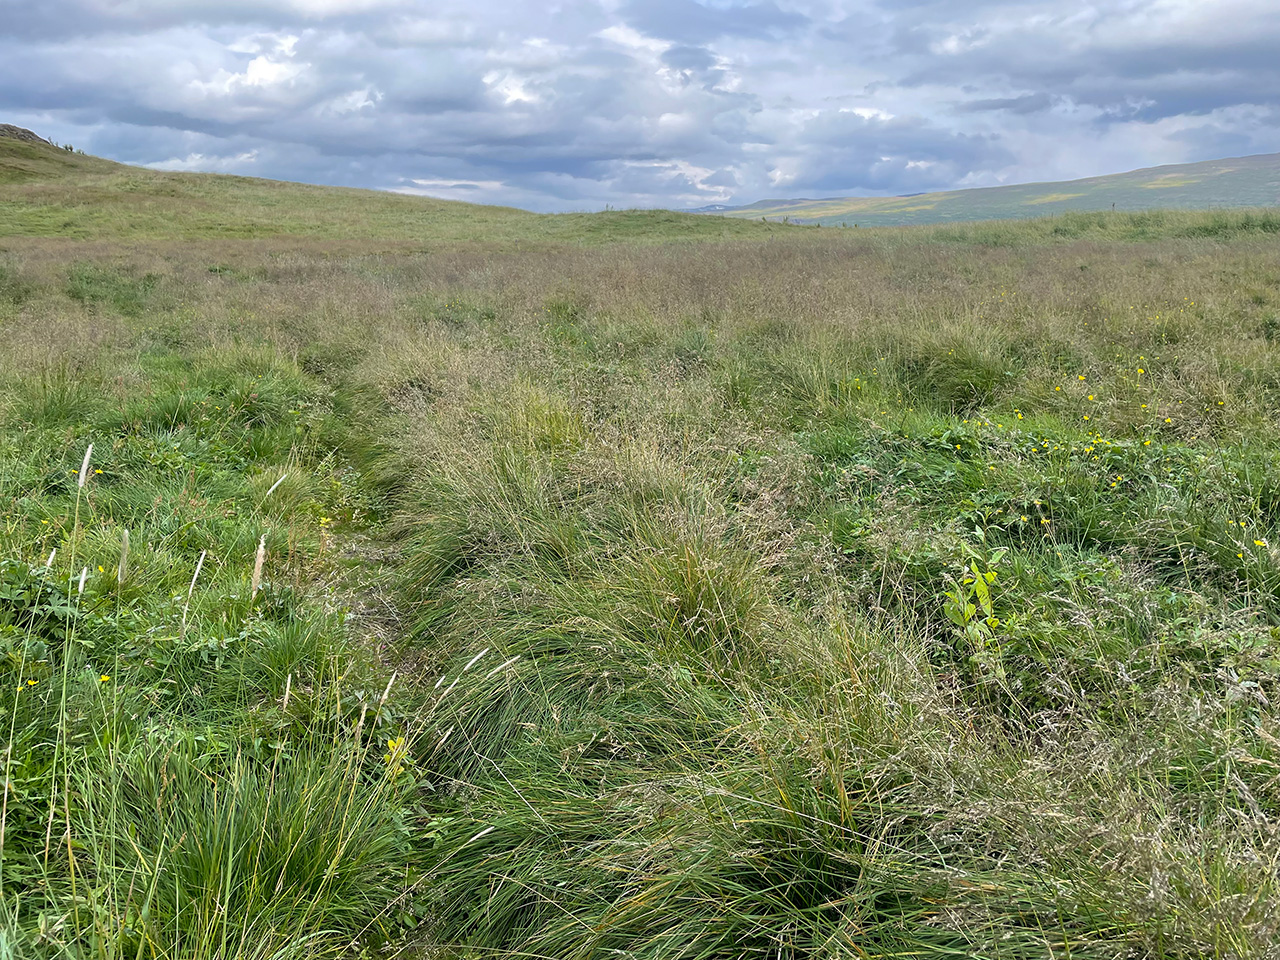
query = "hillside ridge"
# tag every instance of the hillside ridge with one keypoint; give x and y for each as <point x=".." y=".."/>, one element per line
<point x="1250" y="181"/>
<point x="106" y="192"/>
<point x="49" y="191"/>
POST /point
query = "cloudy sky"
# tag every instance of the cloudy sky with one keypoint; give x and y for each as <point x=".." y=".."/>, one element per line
<point x="677" y="103"/>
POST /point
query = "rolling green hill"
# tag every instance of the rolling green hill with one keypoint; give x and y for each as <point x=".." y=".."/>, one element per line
<point x="50" y="192"/>
<point x="1240" y="182"/>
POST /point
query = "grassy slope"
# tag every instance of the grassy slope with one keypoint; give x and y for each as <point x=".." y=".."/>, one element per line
<point x="45" y="192"/>
<point x="1242" y="182"/>
<point x="621" y="597"/>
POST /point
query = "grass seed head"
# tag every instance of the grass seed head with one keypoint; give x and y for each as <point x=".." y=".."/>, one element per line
<point x="257" y="567"/>
<point x="186" y="607"/>
<point x="123" y="572"/>
<point x="84" y="466"/>
<point x="274" y="485"/>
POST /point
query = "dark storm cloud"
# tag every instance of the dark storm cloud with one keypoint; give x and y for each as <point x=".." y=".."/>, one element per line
<point x="580" y="103"/>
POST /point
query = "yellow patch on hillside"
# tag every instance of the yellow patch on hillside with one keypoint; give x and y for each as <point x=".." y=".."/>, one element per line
<point x="906" y="207"/>
<point x="1160" y="182"/>
<point x="853" y="206"/>
<point x="1053" y="198"/>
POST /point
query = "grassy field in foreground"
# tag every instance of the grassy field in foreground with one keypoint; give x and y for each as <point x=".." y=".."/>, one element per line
<point x="800" y="594"/>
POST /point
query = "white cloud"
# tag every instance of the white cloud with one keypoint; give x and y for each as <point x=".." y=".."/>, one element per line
<point x="632" y="39"/>
<point x="868" y="113"/>
<point x="199" y="162"/>
<point x="687" y="180"/>
<point x="509" y="87"/>
<point x="431" y="31"/>
<point x="353" y="102"/>
<point x="958" y="43"/>
<point x="331" y="8"/>
<point x="261" y="72"/>
<point x="470" y="191"/>
<point x="279" y="43"/>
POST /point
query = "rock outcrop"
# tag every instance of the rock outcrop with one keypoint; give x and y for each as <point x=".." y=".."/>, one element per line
<point x="20" y="133"/>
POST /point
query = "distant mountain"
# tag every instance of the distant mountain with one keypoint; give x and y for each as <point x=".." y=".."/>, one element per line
<point x="1239" y="182"/>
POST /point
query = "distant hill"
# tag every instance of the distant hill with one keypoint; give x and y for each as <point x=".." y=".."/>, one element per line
<point x="1240" y="182"/>
<point x="50" y="191"/>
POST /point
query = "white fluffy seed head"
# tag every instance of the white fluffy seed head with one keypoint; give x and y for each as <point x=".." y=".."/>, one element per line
<point x="84" y="575"/>
<point x="84" y="466"/>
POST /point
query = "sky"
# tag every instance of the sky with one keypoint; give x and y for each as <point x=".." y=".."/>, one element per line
<point x="581" y="104"/>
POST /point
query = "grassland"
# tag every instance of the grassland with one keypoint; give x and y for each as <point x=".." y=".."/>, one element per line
<point x="1210" y="184"/>
<point x="608" y="587"/>
<point x="46" y="192"/>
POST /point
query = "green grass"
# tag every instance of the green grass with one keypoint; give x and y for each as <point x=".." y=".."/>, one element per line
<point x="47" y="192"/>
<point x="155" y="717"/>
<point x="632" y="591"/>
